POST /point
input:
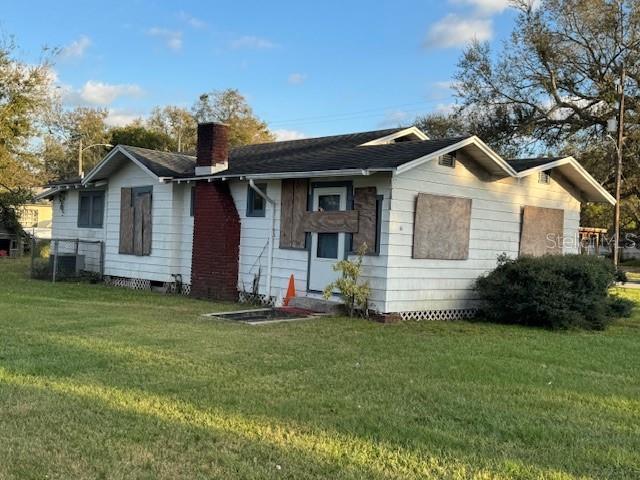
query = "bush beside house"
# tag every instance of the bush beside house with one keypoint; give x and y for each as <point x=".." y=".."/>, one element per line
<point x="558" y="292"/>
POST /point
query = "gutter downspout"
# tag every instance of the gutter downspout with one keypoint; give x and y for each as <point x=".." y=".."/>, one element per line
<point x="271" y="237"/>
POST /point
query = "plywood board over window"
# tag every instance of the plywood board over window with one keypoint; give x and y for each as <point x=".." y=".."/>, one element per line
<point x="293" y="205"/>
<point x="442" y="227"/>
<point x="542" y="231"/>
<point x="365" y="202"/>
<point x="135" y="221"/>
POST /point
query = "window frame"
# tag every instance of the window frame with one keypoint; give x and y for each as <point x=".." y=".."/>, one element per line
<point x="251" y="195"/>
<point x="379" y="200"/>
<point x="91" y="194"/>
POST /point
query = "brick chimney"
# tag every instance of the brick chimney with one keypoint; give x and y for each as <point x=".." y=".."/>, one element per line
<point x="213" y="148"/>
<point x="216" y="223"/>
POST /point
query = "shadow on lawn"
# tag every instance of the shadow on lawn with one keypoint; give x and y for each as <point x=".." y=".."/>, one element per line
<point x="296" y="448"/>
<point x="303" y="446"/>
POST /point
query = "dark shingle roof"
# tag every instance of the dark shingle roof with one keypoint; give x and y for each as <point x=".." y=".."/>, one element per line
<point x="338" y="152"/>
<point x="163" y="164"/>
<point x="330" y="156"/>
<point x="67" y="181"/>
<point x="522" y="164"/>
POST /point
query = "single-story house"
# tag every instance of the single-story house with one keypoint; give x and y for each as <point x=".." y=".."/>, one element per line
<point x="434" y="214"/>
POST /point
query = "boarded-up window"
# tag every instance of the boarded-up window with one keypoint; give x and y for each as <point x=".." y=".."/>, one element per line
<point x="441" y="228"/>
<point x="542" y="231"/>
<point x="365" y="202"/>
<point x="293" y="205"/>
<point x="331" y="222"/>
<point x="135" y="220"/>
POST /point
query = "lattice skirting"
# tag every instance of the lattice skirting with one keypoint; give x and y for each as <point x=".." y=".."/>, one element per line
<point x="142" y="284"/>
<point x="246" y="297"/>
<point x="460" y="314"/>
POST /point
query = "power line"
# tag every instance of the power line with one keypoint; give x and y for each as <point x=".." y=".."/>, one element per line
<point x="371" y="112"/>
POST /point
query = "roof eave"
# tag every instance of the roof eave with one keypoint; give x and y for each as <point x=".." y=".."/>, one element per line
<point x="283" y="175"/>
<point x="413" y="130"/>
<point x="472" y="140"/>
<point x="575" y="173"/>
<point x="118" y="149"/>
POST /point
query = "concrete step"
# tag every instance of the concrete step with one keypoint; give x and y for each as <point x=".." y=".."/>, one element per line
<point x="317" y="305"/>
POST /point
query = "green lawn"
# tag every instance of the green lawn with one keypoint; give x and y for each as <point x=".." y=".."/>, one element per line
<point x="100" y="382"/>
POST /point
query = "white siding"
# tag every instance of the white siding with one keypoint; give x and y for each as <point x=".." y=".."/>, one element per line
<point x="254" y="239"/>
<point x="398" y="282"/>
<point x="169" y="207"/>
<point x="419" y="284"/>
<point x="172" y="228"/>
<point x="65" y="226"/>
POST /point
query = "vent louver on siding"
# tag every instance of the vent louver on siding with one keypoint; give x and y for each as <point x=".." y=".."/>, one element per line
<point x="447" y="160"/>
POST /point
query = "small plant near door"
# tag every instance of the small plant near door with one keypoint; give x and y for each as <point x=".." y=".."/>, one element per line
<point x="354" y="294"/>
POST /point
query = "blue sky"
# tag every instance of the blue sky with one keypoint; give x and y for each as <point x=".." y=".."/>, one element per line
<point x="307" y="68"/>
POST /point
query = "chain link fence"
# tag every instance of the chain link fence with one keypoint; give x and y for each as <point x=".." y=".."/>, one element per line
<point x="63" y="259"/>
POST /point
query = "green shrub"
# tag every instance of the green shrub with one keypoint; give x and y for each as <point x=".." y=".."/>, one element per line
<point x="620" y="307"/>
<point x="41" y="269"/>
<point x="354" y="294"/>
<point x="559" y="292"/>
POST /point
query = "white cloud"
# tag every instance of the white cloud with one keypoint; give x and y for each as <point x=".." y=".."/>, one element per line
<point x="76" y="49"/>
<point x="191" y="20"/>
<point x="284" y="135"/>
<point x="456" y="31"/>
<point x="120" y="118"/>
<point x="171" y="38"/>
<point x="297" y="78"/>
<point x="99" y="93"/>
<point x="251" y="42"/>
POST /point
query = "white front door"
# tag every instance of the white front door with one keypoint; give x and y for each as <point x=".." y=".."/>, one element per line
<point x="326" y="248"/>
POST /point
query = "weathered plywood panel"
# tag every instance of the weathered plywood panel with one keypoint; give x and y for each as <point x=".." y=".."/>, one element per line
<point x="145" y="211"/>
<point x="126" y="222"/>
<point x="286" y="213"/>
<point x="542" y="231"/>
<point x="331" y="222"/>
<point x="138" y="226"/>
<point x="300" y="192"/>
<point x="293" y="206"/>
<point x="364" y="201"/>
<point x="442" y="227"/>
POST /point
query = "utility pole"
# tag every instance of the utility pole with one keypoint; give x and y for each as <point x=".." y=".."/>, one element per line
<point x="620" y="141"/>
<point x="80" y="172"/>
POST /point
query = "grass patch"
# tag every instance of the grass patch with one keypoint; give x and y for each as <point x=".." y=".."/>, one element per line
<point x="99" y="382"/>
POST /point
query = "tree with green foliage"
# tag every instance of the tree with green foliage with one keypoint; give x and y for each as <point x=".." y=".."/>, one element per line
<point x="141" y="136"/>
<point x="70" y="129"/>
<point x="231" y="107"/>
<point x="25" y="100"/>
<point x="176" y="123"/>
<point x="552" y="88"/>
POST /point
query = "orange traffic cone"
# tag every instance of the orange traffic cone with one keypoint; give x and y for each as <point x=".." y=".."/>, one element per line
<point x="291" y="291"/>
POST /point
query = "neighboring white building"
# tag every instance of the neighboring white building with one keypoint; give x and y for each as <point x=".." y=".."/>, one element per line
<point x="435" y="214"/>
